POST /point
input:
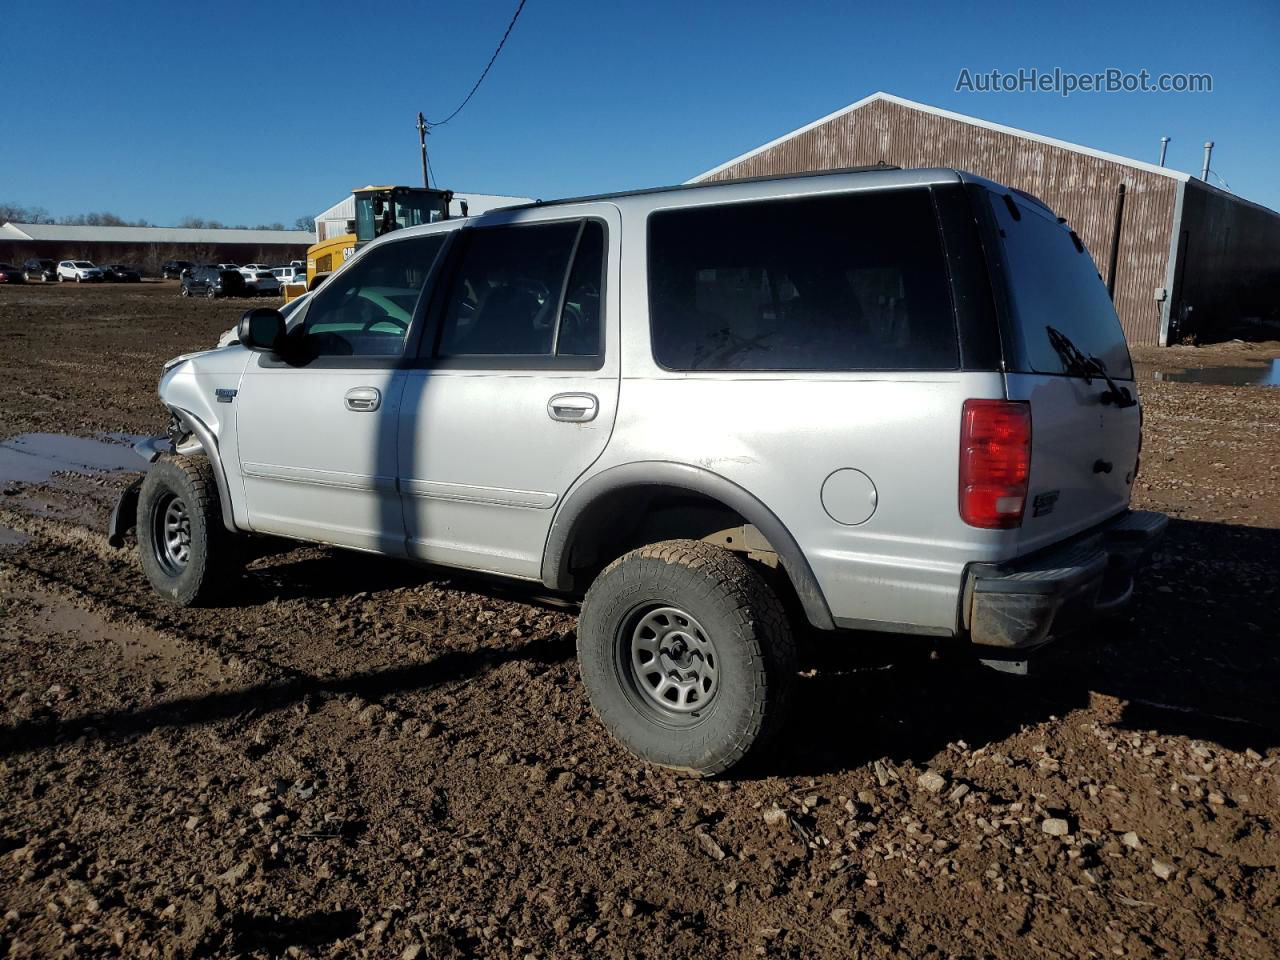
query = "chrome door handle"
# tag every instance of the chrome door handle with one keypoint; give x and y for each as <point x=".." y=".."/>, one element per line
<point x="363" y="399"/>
<point x="573" y="407"/>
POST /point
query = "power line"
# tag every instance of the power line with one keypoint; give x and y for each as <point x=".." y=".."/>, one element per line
<point x="467" y="99"/>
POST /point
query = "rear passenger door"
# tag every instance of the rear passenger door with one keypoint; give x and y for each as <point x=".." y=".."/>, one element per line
<point x="517" y="388"/>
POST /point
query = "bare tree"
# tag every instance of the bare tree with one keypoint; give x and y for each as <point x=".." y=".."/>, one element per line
<point x="19" y="213"/>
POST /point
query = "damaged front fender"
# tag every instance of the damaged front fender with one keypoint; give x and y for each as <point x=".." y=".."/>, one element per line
<point x="125" y="515"/>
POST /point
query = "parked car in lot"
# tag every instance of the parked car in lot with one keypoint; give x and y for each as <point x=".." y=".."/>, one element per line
<point x="40" y="268"/>
<point x="212" y="281"/>
<point x="11" y="274"/>
<point x="881" y="400"/>
<point x="292" y="274"/>
<point x="119" y="273"/>
<point x="260" y="281"/>
<point x="228" y="266"/>
<point x="79" y="271"/>
<point x="173" y="269"/>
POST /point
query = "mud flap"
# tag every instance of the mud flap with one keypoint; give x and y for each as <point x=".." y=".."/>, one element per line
<point x="125" y="515"/>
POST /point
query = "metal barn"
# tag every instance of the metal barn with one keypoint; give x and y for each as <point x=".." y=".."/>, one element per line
<point x="1193" y="260"/>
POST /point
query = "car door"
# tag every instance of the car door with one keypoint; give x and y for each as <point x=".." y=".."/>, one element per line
<point x="317" y="431"/>
<point x="517" y="390"/>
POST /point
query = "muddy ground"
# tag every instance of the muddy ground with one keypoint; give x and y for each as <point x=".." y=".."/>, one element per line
<point x="358" y="758"/>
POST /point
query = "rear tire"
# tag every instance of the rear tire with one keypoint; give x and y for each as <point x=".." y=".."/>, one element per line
<point x="183" y="291"/>
<point x="187" y="554"/>
<point x="687" y="656"/>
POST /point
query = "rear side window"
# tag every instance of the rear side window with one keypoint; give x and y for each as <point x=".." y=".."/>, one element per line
<point x="1053" y="283"/>
<point x="526" y="291"/>
<point x="852" y="282"/>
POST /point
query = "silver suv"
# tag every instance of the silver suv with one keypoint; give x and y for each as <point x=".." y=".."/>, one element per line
<point x="889" y="400"/>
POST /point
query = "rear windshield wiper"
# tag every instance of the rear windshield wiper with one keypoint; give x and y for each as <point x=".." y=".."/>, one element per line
<point x="1081" y="364"/>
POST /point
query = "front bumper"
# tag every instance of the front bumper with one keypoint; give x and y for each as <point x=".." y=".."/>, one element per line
<point x="1028" y="602"/>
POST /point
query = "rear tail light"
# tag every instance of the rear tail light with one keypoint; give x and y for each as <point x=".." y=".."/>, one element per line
<point x="995" y="461"/>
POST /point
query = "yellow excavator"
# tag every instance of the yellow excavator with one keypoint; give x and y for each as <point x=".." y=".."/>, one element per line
<point x="379" y="210"/>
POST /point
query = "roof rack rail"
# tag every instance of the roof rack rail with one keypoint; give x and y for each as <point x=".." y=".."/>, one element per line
<point x="704" y="184"/>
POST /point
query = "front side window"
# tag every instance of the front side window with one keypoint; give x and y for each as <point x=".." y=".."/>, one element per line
<point x="832" y="283"/>
<point x="529" y="291"/>
<point x="365" y="310"/>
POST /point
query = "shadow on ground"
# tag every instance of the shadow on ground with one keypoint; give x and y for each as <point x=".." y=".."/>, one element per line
<point x="1196" y="656"/>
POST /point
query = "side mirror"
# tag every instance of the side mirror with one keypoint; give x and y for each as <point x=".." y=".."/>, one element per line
<point x="261" y="329"/>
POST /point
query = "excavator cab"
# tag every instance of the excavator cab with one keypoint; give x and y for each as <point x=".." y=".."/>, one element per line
<point x="380" y="210"/>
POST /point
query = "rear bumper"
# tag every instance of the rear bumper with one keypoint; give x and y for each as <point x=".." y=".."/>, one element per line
<point x="1028" y="602"/>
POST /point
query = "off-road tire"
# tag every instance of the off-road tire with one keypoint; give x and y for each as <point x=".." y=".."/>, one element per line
<point x="215" y="557"/>
<point x="753" y="645"/>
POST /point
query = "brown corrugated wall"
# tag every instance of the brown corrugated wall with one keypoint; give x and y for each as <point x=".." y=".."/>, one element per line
<point x="1077" y="186"/>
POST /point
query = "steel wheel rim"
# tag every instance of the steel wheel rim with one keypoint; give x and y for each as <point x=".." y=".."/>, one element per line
<point x="670" y="662"/>
<point x="171" y="534"/>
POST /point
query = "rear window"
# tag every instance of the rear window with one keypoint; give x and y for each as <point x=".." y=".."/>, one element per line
<point x="852" y="282"/>
<point x="1052" y="282"/>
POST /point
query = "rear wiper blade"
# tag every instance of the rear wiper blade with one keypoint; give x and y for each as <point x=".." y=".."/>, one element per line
<point x="1076" y="361"/>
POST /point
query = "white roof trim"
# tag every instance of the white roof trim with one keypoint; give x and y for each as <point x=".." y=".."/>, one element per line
<point x="938" y="112"/>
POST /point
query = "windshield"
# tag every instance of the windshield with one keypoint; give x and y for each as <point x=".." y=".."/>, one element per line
<point x="1053" y="285"/>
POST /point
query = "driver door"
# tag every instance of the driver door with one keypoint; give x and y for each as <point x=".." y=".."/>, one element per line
<point x="317" y="433"/>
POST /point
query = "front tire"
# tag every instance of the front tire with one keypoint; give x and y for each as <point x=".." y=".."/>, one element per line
<point x="687" y="655"/>
<point x="183" y="291"/>
<point x="187" y="554"/>
<point x="211" y="293"/>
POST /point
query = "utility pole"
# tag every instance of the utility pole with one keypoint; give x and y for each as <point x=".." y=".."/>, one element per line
<point x="422" y="144"/>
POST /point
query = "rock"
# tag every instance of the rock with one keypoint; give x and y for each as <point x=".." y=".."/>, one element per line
<point x="192" y="822"/>
<point x="840" y="916"/>
<point x="411" y="952"/>
<point x="261" y="809"/>
<point x="931" y="781"/>
<point x="628" y="908"/>
<point x="1217" y="799"/>
<point x="372" y="714"/>
<point x="1056" y="827"/>
<point x="709" y="846"/>
<point x="958" y="794"/>
<point x="776" y="817"/>
<point x="882" y="773"/>
<point x="236" y="873"/>
<point x="565" y="781"/>
<point x="1131" y="840"/>
<point x="1161" y="869"/>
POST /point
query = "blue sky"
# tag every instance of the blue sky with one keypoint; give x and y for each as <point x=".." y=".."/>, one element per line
<point x="264" y="113"/>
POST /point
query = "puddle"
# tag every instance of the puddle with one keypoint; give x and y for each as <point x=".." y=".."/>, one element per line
<point x="11" y="538"/>
<point x="1268" y="376"/>
<point x="36" y="457"/>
